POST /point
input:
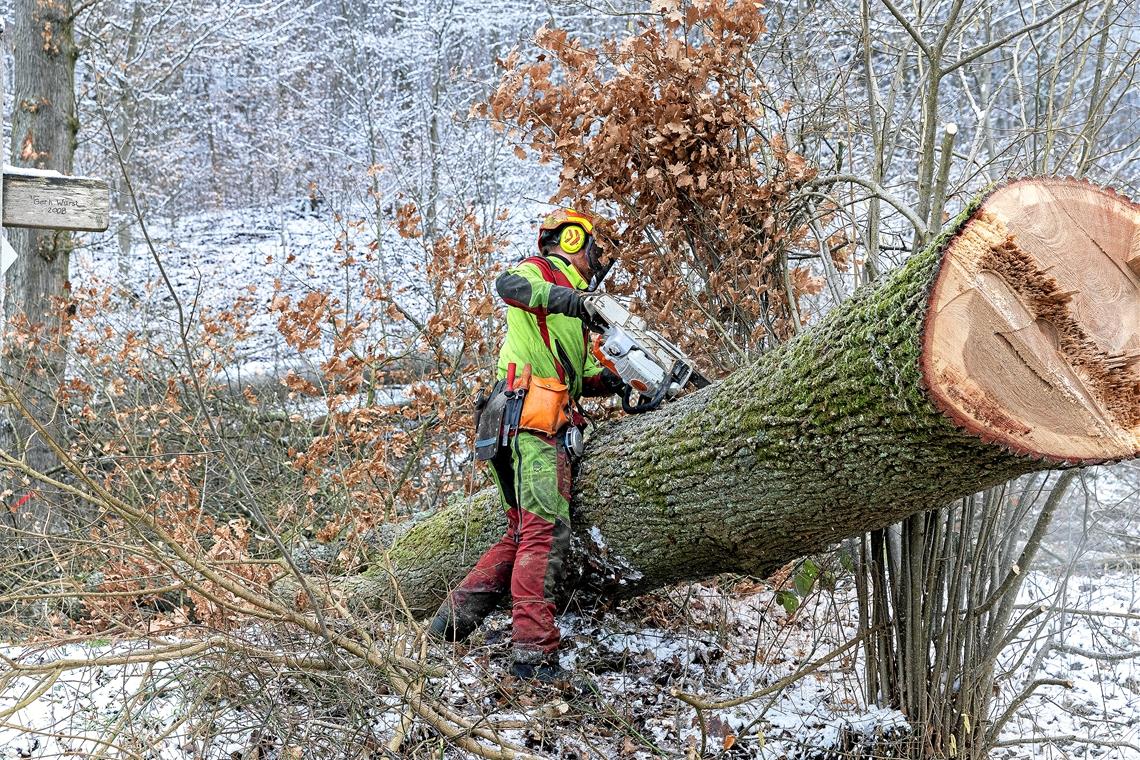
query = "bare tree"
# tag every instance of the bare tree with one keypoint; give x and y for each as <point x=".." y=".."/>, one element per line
<point x="44" y="129"/>
<point x="956" y="95"/>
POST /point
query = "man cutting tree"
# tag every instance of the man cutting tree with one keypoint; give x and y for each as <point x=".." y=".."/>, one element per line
<point x="528" y="430"/>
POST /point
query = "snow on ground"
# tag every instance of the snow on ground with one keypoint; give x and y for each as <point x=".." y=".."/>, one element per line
<point x="214" y="258"/>
<point x="128" y="710"/>
<point x="729" y="645"/>
<point x="1097" y="655"/>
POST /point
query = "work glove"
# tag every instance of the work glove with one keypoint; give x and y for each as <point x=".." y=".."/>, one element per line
<point x="574" y="304"/>
<point x="612" y="381"/>
<point x="605" y="383"/>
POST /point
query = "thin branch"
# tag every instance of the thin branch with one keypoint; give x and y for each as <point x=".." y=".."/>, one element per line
<point x="996" y="726"/>
<point x="926" y="49"/>
<point x="1086" y="613"/>
<point x="1067" y="739"/>
<point x="1094" y="655"/>
<point x="881" y="192"/>
<point x="981" y="50"/>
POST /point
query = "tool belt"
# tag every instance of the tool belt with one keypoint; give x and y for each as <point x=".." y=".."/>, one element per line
<point x="541" y="405"/>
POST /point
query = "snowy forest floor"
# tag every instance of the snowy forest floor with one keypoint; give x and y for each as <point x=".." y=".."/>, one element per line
<point x="712" y="640"/>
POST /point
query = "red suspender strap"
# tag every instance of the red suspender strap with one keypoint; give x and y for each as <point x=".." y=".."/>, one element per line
<point x="555" y="278"/>
<point x="549" y="273"/>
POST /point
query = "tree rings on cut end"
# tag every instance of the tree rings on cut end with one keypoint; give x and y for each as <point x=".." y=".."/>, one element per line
<point x="1032" y="339"/>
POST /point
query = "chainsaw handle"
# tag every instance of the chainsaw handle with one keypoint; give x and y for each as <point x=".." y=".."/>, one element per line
<point x="629" y="407"/>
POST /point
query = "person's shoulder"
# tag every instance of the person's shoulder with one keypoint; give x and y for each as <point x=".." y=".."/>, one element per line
<point x="536" y="265"/>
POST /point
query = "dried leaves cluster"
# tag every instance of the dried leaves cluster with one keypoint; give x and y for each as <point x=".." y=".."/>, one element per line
<point x="379" y="429"/>
<point x="665" y="130"/>
<point x="394" y="389"/>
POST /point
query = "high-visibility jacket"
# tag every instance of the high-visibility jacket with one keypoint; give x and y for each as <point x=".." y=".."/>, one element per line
<point x="553" y="344"/>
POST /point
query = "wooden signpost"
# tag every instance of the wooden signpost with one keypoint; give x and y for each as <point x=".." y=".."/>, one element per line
<point x="50" y="200"/>
<point x="47" y="199"/>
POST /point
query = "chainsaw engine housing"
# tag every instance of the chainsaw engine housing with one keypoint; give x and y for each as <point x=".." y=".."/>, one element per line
<point x="645" y="361"/>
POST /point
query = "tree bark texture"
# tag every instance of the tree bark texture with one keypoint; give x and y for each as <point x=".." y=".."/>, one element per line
<point x="44" y="131"/>
<point x="831" y="435"/>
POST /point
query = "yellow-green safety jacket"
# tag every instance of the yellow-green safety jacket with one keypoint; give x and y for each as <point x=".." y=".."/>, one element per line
<point x="538" y="291"/>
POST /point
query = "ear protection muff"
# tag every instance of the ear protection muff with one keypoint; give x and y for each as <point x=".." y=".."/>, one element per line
<point x="572" y="238"/>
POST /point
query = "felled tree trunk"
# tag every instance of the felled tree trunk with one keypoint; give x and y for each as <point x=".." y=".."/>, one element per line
<point x="1012" y="344"/>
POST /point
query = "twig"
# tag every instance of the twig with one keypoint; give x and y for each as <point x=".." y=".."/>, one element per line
<point x="703" y="704"/>
<point x="983" y="49"/>
<point x="880" y="191"/>
<point x="183" y="328"/>
<point x="1071" y="739"/>
<point x="914" y="33"/>
<point x="1094" y="655"/>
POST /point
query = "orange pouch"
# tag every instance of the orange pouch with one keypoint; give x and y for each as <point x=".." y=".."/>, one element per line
<point x="545" y="406"/>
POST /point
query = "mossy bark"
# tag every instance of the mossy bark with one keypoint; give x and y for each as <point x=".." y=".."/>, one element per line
<point x="825" y="437"/>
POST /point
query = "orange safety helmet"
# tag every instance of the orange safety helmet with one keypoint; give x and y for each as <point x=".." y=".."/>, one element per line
<point x="568" y="228"/>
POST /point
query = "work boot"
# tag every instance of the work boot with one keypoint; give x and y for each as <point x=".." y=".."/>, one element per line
<point x="544" y="669"/>
<point x="437" y="628"/>
<point x="547" y="671"/>
<point x="443" y="626"/>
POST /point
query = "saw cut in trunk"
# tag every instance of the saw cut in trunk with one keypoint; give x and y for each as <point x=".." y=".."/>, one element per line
<point x="1008" y="345"/>
<point x="1033" y="335"/>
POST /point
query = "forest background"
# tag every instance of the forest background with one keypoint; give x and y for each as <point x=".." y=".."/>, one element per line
<point x="223" y="419"/>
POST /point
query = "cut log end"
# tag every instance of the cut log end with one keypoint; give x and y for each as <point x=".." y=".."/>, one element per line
<point x="1032" y="339"/>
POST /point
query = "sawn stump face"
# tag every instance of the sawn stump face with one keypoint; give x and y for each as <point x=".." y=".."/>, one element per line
<point x="1033" y="336"/>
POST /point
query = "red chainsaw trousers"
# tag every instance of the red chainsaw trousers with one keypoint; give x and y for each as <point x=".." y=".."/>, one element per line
<point x="528" y="560"/>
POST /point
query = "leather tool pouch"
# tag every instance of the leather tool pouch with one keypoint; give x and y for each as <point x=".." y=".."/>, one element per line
<point x="489" y="418"/>
<point x="546" y="407"/>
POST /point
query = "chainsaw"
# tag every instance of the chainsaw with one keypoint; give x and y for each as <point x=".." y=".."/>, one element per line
<point x="649" y="365"/>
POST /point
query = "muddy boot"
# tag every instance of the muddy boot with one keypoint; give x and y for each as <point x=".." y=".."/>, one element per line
<point x="440" y="628"/>
<point x="542" y="669"/>
<point x="449" y="625"/>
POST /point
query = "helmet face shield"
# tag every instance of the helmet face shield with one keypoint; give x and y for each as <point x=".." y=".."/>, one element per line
<point x="594" y="255"/>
